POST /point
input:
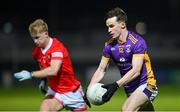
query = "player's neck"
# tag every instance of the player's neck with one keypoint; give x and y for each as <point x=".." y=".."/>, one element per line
<point x="123" y="36"/>
<point x="46" y="42"/>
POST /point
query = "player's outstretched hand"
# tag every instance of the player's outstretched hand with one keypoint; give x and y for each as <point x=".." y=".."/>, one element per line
<point x="86" y="100"/>
<point x="23" y="75"/>
<point x="42" y="86"/>
<point x="111" y="89"/>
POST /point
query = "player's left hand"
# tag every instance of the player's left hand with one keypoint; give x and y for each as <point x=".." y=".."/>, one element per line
<point x="42" y="86"/>
<point x="23" y="75"/>
<point x="111" y="89"/>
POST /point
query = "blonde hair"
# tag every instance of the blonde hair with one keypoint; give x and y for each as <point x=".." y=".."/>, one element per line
<point x="38" y="26"/>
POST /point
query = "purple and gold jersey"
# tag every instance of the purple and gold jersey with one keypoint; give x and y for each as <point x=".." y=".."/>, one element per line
<point x="122" y="53"/>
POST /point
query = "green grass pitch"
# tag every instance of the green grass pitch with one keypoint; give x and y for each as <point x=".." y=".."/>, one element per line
<point x="29" y="99"/>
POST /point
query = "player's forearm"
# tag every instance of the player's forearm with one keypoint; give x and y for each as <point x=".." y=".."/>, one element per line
<point x="98" y="75"/>
<point x="45" y="72"/>
<point x="129" y="76"/>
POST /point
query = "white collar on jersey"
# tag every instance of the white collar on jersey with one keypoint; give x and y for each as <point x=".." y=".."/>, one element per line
<point x="48" y="46"/>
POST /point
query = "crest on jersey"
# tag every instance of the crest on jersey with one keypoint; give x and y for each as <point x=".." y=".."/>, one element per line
<point x="128" y="48"/>
<point x="121" y="49"/>
<point x="44" y="59"/>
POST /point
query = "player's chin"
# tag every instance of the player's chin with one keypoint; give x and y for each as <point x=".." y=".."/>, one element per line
<point x="114" y="36"/>
<point x="38" y="45"/>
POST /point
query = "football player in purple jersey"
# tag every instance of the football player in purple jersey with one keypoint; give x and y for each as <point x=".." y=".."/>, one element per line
<point x="129" y="52"/>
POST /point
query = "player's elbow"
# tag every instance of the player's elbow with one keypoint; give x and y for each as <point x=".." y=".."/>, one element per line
<point x="137" y="72"/>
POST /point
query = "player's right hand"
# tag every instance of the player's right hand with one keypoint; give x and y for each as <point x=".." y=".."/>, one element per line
<point x="23" y="75"/>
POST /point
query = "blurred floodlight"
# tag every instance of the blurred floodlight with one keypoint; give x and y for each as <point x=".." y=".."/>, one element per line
<point x="141" y="28"/>
<point x="8" y="27"/>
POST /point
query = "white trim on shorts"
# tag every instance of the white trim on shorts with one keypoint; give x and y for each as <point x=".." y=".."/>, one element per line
<point x="152" y="93"/>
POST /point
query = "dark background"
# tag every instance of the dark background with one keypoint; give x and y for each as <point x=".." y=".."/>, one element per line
<point x="80" y="25"/>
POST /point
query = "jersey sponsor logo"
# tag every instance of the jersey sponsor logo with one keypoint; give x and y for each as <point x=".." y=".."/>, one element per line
<point x="122" y="59"/>
<point x="128" y="48"/>
<point x="124" y="64"/>
<point x="57" y="54"/>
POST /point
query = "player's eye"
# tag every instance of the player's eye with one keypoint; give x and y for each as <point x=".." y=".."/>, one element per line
<point x="37" y="37"/>
<point x="110" y="26"/>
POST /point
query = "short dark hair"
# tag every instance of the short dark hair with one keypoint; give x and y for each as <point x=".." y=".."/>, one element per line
<point x="117" y="12"/>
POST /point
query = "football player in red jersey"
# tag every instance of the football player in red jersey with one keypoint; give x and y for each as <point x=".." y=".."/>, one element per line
<point x="64" y="90"/>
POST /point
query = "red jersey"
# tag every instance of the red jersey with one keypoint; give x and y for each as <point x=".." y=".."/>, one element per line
<point x="65" y="80"/>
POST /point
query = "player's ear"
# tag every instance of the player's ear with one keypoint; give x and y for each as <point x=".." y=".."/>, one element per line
<point x="123" y="25"/>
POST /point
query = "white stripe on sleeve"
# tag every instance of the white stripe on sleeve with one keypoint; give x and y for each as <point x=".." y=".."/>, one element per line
<point x="57" y="54"/>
